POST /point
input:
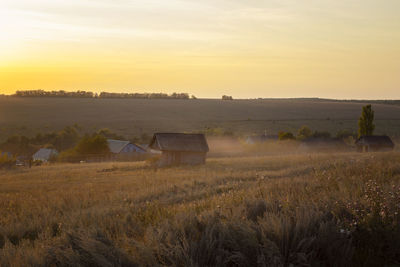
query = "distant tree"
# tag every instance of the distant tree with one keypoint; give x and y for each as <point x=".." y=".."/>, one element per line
<point x="286" y="136"/>
<point x="89" y="145"/>
<point x="344" y="134"/>
<point x="109" y="134"/>
<point x="227" y="97"/>
<point x="366" y="124"/>
<point x="304" y="132"/>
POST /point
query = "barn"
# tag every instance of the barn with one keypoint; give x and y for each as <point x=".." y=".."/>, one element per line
<point x="180" y="148"/>
<point x="374" y="143"/>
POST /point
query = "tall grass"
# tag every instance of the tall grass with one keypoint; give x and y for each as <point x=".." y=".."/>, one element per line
<point x="298" y="210"/>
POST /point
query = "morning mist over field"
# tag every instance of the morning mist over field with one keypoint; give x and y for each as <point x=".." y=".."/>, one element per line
<point x="183" y="133"/>
<point x="248" y="49"/>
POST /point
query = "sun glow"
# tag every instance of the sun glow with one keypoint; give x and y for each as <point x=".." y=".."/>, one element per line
<point x="209" y="48"/>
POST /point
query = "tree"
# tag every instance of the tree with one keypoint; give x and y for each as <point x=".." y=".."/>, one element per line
<point x="366" y="124"/>
<point x="304" y="132"/>
<point x="286" y="136"/>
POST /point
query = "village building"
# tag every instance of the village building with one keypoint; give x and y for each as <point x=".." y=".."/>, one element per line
<point x="374" y="143"/>
<point x="44" y="154"/>
<point x="124" y="149"/>
<point x="180" y="148"/>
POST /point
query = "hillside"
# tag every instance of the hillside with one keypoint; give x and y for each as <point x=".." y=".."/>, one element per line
<point x="132" y="117"/>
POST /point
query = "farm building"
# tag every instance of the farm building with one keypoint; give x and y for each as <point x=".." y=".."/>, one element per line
<point x="121" y="147"/>
<point x="125" y="149"/>
<point x="374" y="143"/>
<point x="44" y="154"/>
<point x="180" y="148"/>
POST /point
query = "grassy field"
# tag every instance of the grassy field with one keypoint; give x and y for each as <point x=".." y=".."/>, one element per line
<point x="133" y="117"/>
<point x="279" y="210"/>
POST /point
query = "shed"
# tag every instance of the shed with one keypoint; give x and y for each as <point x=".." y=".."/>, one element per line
<point x="44" y="154"/>
<point x="180" y="148"/>
<point x="374" y="143"/>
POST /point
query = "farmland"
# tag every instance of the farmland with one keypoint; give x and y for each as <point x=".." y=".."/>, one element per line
<point x="335" y="209"/>
<point x="133" y="117"/>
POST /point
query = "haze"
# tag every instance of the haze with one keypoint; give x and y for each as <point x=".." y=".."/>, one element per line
<point x="285" y="48"/>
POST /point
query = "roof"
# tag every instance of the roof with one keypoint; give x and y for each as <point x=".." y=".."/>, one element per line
<point x="116" y="146"/>
<point x="179" y="142"/>
<point x="382" y="140"/>
<point x="44" y="154"/>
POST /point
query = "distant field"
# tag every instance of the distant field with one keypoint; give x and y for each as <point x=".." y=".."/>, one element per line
<point x="132" y="117"/>
<point x="293" y="210"/>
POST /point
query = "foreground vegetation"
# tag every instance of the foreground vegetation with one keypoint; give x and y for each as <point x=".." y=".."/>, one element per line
<point x="316" y="209"/>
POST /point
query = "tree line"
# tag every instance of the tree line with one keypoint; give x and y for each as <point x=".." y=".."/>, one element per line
<point x="88" y="94"/>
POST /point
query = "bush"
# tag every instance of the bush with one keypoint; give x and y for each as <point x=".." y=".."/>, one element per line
<point x="304" y="132"/>
<point x="6" y="161"/>
<point x="286" y="136"/>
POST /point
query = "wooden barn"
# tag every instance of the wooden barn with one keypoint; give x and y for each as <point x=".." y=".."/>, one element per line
<point x="180" y="148"/>
<point x="374" y="143"/>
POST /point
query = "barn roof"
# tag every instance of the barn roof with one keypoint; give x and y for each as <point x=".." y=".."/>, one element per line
<point x="382" y="140"/>
<point x="179" y="142"/>
<point x="44" y="154"/>
<point x="116" y="146"/>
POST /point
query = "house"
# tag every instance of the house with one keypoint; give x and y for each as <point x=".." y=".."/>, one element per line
<point x="125" y="150"/>
<point x="323" y="145"/>
<point x="255" y="139"/>
<point x="44" y="154"/>
<point x="180" y="148"/>
<point x="374" y="143"/>
<point x="124" y="147"/>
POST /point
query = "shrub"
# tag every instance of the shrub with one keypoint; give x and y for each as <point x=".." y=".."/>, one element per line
<point x="286" y="136"/>
<point x="6" y="161"/>
<point x="304" y="132"/>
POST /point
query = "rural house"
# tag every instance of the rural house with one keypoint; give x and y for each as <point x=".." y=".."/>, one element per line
<point x="44" y="154"/>
<point x="374" y="143"/>
<point x="180" y="148"/>
<point x="124" y="149"/>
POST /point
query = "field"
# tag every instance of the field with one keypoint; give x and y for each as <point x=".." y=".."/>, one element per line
<point x="339" y="209"/>
<point x="133" y="117"/>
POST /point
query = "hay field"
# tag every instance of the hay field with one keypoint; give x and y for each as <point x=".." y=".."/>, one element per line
<point x="133" y="117"/>
<point x="287" y="210"/>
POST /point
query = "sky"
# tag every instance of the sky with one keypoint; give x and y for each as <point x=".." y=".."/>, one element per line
<point x="248" y="49"/>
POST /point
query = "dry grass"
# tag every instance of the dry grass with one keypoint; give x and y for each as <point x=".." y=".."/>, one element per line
<point x="317" y="209"/>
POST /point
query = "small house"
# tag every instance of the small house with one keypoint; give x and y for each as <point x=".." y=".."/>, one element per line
<point x="44" y="154"/>
<point x="124" y="149"/>
<point x="373" y="143"/>
<point x="180" y="148"/>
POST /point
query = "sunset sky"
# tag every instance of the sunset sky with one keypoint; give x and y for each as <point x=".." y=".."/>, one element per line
<point x="247" y="49"/>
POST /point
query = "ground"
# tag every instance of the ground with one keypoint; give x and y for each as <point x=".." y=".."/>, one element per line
<point x="339" y="209"/>
<point x="134" y="117"/>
